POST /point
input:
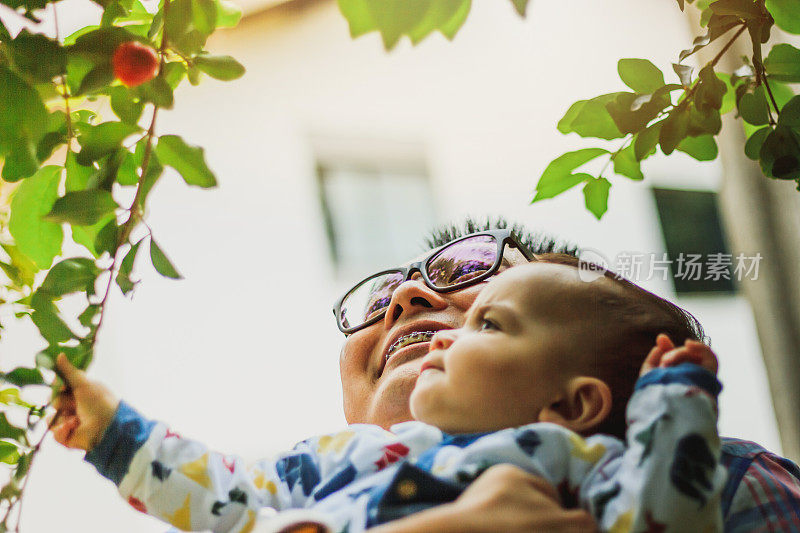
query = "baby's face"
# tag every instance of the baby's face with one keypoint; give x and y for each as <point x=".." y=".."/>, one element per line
<point x="519" y="346"/>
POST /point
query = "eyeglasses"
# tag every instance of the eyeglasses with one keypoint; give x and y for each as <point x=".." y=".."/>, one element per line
<point x="456" y="265"/>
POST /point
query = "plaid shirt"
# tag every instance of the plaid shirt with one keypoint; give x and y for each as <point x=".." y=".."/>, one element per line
<point x="763" y="489"/>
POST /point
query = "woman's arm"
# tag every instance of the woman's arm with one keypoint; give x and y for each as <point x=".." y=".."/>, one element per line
<point x="503" y="498"/>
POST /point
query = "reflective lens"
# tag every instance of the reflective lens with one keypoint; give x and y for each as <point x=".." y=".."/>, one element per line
<point x="462" y="261"/>
<point x="453" y="265"/>
<point x="369" y="298"/>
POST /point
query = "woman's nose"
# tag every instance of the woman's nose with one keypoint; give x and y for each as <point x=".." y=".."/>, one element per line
<point x="411" y="297"/>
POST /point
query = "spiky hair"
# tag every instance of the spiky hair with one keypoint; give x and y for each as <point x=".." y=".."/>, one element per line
<point x="535" y="241"/>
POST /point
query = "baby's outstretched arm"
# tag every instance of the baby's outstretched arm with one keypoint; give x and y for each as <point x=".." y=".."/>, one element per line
<point x="165" y="475"/>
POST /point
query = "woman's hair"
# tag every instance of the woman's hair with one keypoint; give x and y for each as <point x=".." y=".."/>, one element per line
<point x="638" y="317"/>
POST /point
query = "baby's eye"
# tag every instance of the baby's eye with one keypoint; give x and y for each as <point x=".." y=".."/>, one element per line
<point x="487" y="325"/>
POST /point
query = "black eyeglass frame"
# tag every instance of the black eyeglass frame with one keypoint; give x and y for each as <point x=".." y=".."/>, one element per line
<point x="502" y="237"/>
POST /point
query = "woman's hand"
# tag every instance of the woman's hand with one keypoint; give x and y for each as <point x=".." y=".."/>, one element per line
<point x="504" y="498"/>
<point x="84" y="408"/>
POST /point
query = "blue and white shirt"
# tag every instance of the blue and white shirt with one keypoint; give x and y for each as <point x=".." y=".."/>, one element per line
<point x="667" y="477"/>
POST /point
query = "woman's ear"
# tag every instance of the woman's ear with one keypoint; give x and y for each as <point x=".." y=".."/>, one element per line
<point x="584" y="405"/>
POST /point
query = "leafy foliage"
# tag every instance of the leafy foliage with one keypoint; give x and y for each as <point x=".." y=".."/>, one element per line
<point x="683" y="115"/>
<point x="52" y="141"/>
<point x="653" y="117"/>
<point x="415" y="19"/>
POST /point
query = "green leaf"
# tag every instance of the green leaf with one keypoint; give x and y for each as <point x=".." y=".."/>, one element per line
<point x="22" y="377"/>
<point x="786" y="14"/>
<point x="124" y="275"/>
<point x="173" y="73"/>
<point x="23" y="465"/>
<point x="702" y="148"/>
<point x="113" y="10"/>
<point x="51" y="327"/>
<point x="179" y="19"/>
<point x="702" y="121"/>
<point x="223" y="68"/>
<point x="8" y="453"/>
<point x="8" y="431"/>
<point x="38" y="56"/>
<point x="780" y="154"/>
<point x="24" y="268"/>
<point x="104" y="177"/>
<point x="204" y="16"/>
<point x="595" y="194"/>
<point x="82" y="208"/>
<point x="161" y="263"/>
<point x="87" y="317"/>
<point x="358" y="17"/>
<point x="753" y="107"/>
<point x="414" y="18"/>
<point x="98" y="78"/>
<point x="127" y="263"/>
<point x="38" y="239"/>
<point x="752" y="147"/>
<point x="626" y="163"/>
<point x="521" y="6"/>
<point x="87" y="235"/>
<point x="125" y="105"/>
<point x="102" y="139"/>
<point x="127" y="173"/>
<point x="55" y="136"/>
<point x="632" y="113"/>
<point x="745" y="9"/>
<point x="783" y="63"/>
<point x="673" y="130"/>
<point x="106" y="240"/>
<point x="790" y="113"/>
<point x="640" y="75"/>
<point x="23" y="118"/>
<point x="187" y="160"/>
<point x="21" y="161"/>
<point x="590" y="118"/>
<point x="782" y="93"/>
<point x="558" y="176"/>
<point x="228" y="14"/>
<point x="729" y="98"/>
<point x="70" y="275"/>
<point x="710" y="90"/>
<point x="156" y="91"/>
<point x="154" y="170"/>
<point x="10" y="396"/>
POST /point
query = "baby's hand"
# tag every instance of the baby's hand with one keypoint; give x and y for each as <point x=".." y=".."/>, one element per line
<point x="664" y="354"/>
<point x="84" y="409"/>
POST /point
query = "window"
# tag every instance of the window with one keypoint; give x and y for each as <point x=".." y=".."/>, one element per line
<point x="698" y="255"/>
<point x="375" y="214"/>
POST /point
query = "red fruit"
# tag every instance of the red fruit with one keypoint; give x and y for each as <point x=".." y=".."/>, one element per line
<point x="134" y="63"/>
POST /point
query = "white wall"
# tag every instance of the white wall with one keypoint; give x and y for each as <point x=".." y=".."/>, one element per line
<point x="242" y="354"/>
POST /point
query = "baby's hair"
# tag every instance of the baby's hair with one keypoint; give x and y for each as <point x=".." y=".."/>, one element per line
<point x="638" y="316"/>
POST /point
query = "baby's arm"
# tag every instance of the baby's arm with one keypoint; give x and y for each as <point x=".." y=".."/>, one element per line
<point x="175" y="479"/>
<point x="670" y="476"/>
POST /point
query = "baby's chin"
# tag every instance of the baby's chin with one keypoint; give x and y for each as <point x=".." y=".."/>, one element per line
<point x="430" y="409"/>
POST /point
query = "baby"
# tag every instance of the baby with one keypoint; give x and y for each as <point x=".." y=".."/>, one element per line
<point x="539" y="377"/>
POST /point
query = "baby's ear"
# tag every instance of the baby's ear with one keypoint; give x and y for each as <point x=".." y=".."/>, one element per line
<point x="585" y="404"/>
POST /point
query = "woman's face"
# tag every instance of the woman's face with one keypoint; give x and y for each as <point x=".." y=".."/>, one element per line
<point x="376" y="390"/>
